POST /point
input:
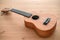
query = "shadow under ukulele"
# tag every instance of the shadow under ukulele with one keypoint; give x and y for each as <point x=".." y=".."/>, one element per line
<point x="43" y="24"/>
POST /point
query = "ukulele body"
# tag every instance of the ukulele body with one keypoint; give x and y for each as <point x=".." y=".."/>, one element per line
<point x="41" y="29"/>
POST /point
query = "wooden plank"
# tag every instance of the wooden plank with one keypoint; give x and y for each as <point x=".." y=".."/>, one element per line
<point x="13" y="24"/>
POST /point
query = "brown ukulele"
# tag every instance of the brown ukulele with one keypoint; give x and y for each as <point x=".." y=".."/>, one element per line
<point x="43" y="24"/>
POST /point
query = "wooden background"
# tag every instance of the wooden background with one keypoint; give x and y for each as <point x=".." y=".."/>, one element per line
<point x="13" y="24"/>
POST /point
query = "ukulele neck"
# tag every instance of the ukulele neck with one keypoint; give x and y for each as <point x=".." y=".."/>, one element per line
<point x="28" y="15"/>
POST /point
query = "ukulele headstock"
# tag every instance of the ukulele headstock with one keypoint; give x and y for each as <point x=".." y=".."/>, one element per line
<point x="5" y="11"/>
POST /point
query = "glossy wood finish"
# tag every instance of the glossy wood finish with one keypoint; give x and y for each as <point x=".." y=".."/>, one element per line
<point x="13" y="24"/>
<point x="41" y="29"/>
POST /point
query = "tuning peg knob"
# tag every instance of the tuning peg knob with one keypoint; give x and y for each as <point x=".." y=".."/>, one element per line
<point x="5" y="11"/>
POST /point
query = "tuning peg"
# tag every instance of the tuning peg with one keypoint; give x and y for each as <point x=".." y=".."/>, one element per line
<point x="4" y="11"/>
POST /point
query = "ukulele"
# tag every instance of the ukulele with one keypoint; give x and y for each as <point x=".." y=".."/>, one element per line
<point x="43" y="24"/>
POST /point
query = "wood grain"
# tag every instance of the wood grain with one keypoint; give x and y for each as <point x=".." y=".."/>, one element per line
<point x="13" y="24"/>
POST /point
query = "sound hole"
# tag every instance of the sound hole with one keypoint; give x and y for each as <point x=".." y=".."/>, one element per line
<point x="35" y="17"/>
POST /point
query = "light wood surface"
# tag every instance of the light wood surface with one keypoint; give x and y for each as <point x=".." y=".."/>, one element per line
<point x="13" y="24"/>
<point x="38" y="26"/>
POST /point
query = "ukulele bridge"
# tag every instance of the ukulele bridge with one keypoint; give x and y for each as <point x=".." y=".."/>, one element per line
<point x="47" y="21"/>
